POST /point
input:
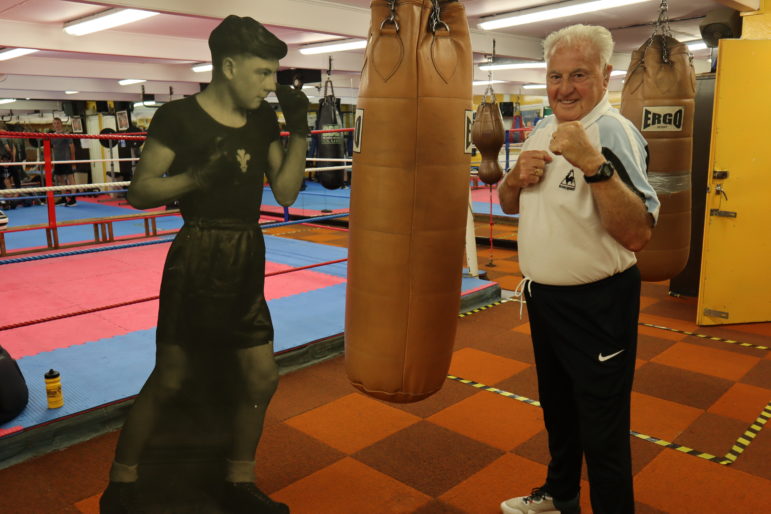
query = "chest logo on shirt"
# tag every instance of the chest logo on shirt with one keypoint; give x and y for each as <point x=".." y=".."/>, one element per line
<point x="569" y="182"/>
<point x="243" y="159"/>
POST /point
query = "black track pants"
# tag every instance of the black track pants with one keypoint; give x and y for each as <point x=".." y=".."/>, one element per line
<point x="585" y="343"/>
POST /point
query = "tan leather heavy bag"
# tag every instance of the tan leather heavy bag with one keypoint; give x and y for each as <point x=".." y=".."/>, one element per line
<point x="408" y="200"/>
<point x="487" y="134"/>
<point x="658" y="97"/>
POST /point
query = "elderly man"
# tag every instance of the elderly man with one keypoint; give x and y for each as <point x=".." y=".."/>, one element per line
<point x="585" y="207"/>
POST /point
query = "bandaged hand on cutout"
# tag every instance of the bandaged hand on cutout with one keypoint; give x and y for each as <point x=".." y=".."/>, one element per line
<point x="294" y="105"/>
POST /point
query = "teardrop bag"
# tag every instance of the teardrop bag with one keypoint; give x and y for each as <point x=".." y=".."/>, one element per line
<point x="487" y="134"/>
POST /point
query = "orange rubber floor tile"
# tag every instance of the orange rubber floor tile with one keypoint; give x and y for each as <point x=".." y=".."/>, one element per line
<point x="661" y="418"/>
<point x="352" y="422"/>
<point x="743" y="402"/>
<point x="507" y="477"/>
<point x="350" y="487"/>
<point x="492" y="419"/>
<point x="483" y="367"/>
<point x="678" y="483"/>
<point x="89" y="505"/>
<point x="710" y="361"/>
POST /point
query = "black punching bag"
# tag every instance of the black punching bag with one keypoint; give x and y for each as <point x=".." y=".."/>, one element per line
<point x="330" y="144"/>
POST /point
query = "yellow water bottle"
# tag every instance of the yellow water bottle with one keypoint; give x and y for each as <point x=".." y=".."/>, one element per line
<point x="54" y="389"/>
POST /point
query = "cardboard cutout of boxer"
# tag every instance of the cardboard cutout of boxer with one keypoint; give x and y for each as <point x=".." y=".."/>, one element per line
<point x="215" y="373"/>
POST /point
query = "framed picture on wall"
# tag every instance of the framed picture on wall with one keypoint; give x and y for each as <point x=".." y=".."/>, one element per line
<point x="123" y="120"/>
<point x="77" y="125"/>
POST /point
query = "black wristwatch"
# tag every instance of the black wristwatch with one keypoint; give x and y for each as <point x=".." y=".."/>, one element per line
<point x="604" y="172"/>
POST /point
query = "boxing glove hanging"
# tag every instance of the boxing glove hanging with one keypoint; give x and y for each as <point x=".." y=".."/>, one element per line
<point x="409" y="198"/>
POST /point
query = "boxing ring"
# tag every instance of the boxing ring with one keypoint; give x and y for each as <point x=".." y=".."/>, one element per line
<point x="80" y="287"/>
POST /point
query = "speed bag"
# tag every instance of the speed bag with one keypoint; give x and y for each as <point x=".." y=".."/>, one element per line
<point x="331" y="144"/>
<point x="411" y="163"/>
<point x="658" y="97"/>
<point x="487" y="134"/>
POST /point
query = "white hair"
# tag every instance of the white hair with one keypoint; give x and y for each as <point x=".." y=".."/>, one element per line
<point x="598" y="37"/>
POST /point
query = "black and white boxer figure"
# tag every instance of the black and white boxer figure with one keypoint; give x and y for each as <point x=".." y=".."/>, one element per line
<point x="212" y="151"/>
<point x="585" y="206"/>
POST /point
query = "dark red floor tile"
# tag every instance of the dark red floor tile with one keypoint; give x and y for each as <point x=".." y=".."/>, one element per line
<point x="438" y="458"/>
<point x="286" y="455"/>
<point x="712" y="434"/>
<point x="451" y="393"/>
<point x="649" y="346"/>
<point x="678" y="385"/>
<point x="759" y="375"/>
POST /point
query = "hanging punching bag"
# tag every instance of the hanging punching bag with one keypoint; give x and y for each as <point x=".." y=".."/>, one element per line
<point x="487" y="135"/>
<point x="658" y="97"/>
<point x="330" y="143"/>
<point x="408" y="199"/>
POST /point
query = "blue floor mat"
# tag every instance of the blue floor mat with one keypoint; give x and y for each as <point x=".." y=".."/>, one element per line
<point x="101" y="372"/>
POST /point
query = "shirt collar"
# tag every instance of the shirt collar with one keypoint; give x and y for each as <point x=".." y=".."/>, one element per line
<point x="601" y="108"/>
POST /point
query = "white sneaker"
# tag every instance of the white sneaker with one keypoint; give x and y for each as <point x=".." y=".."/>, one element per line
<point x="539" y="502"/>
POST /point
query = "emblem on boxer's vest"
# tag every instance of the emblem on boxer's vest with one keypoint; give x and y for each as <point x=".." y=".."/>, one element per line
<point x="569" y="182"/>
<point x="243" y="159"/>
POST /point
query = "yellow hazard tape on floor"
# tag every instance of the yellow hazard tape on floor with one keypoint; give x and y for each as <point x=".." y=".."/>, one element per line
<point x="729" y="458"/>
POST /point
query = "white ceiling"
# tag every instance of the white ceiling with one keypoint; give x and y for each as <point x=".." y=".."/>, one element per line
<point x="161" y="49"/>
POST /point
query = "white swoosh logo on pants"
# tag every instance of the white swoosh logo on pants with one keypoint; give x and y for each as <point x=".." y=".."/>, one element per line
<point x="603" y="358"/>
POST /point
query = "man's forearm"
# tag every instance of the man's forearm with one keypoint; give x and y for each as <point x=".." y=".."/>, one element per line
<point x="623" y="214"/>
<point x="508" y="193"/>
<point x="287" y="182"/>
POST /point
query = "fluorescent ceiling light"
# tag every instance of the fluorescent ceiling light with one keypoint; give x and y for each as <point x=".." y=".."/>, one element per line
<point x="71" y="92"/>
<point x="105" y="20"/>
<point x="696" y="45"/>
<point x="485" y="82"/>
<point x="146" y="103"/>
<point x="7" y="100"/>
<point x="534" y="86"/>
<point x="12" y="53"/>
<point x="200" y="68"/>
<point x="513" y="66"/>
<point x="128" y="82"/>
<point x="570" y="9"/>
<point x="341" y="46"/>
<point x="617" y="73"/>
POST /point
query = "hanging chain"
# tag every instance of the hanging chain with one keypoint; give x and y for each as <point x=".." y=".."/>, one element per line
<point x="328" y="82"/>
<point x="489" y="90"/>
<point x="662" y="29"/>
<point x="435" y="20"/>
<point x="392" y="18"/>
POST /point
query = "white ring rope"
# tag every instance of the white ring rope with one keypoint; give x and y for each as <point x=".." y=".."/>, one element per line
<point x="62" y="188"/>
<point x="80" y="161"/>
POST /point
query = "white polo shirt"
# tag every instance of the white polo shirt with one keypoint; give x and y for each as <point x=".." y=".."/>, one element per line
<point x="561" y="239"/>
